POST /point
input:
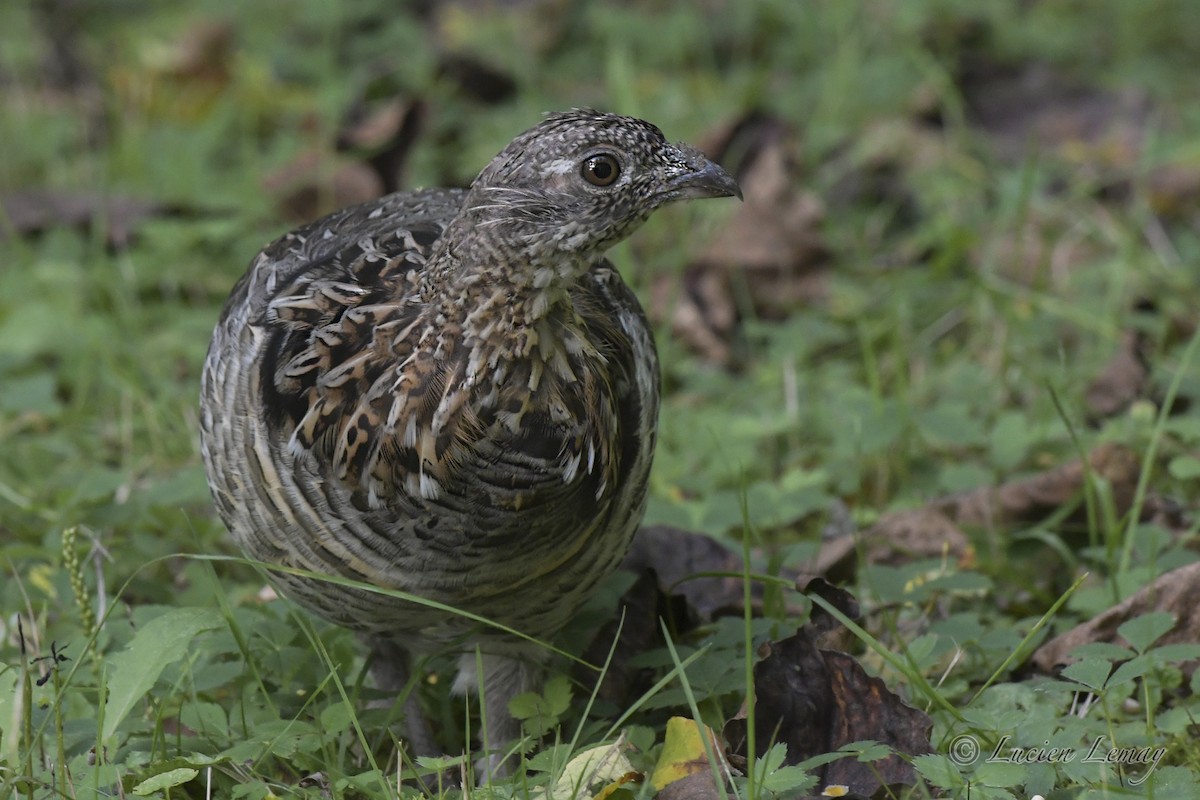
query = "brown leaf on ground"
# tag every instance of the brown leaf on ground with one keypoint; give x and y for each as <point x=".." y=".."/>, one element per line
<point x="534" y="28"/>
<point x="686" y="750"/>
<point x="816" y="701"/>
<point x="1033" y="107"/>
<point x="1122" y="380"/>
<point x="675" y="556"/>
<point x="638" y="623"/>
<point x="384" y="134"/>
<point x="770" y="250"/>
<point x="203" y="51"/>
<point x="667" y="562"/>
<point x="477" y="79"/>
<point x="821" y="620"/>
<point x="181" y="78"/>
<point x="1176" y="592"/>
<point x="773" y="237"/>
<point x="697" y="786"/>
<point x="1032" y="498"/>
<point x="878" y="170"/>
<point x="316" y="183"/>
<point x="34" y="211"/>
<point x="935" y="530"/>
<point x="701" y="308"/>
<point x="895" y="538"/>
<point x="1173" y="191"/>
<point x="772" y="242"/>
<point x="1048" y="246"/>
<point x="61" y="26"/>
<point x="678" y="557"/>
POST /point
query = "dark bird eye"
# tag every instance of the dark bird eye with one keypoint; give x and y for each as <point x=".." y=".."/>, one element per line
<point x="601" y="170"/>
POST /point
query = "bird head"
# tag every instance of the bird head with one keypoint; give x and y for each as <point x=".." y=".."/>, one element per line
<point x="581" y="181"/>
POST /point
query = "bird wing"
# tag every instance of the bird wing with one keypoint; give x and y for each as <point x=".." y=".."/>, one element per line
<point x="351" y="378"/>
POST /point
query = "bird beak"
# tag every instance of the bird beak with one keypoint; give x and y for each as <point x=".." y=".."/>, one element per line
<point x="704" y="178"/>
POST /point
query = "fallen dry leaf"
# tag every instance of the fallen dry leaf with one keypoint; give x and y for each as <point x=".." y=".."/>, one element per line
<point x="770" y="250"/>
<point x="827" y="631"/>
<point x="773" y="238"/>
<point x="642" y="607"/>
<point x="1176" y="592"/>
<point x="772" y="243"/>
<point x="33" y="211"/>
<point x="697" y="786"/>
<point x="594" y="772"/>
<point x="677" y="556"/>
<point x="936" y="529"/>
<point x="683" y="752"/>
<point x="1049" y="244"/>
<point x="1122" y="380"/>
<point x="181" y="78"/>
<point x="477" y="79"/>
<point x="1034" y="107"/>
<point x="895" y="538"/>
<point x="317" y="182"/>
<point x="1173" y="191"/>
<point x="701" y="309"/>
<point x="668" y="562"/>
<point x="383" y="133"/>
<point x="1032" y="498"/>
<point x="816" y="701"/>
<point x="202" y="51"/>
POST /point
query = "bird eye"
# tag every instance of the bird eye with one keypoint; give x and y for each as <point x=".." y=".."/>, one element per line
<point x="600" y="170"/>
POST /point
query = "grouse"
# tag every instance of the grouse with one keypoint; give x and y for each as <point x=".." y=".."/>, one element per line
<point x="451" y="396"/>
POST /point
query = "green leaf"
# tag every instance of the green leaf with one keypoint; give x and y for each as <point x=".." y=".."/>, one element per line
<point x="1175" y="653"/>
<point x="160" y="642"/>
<point x="32" y="393"/>
<point x="165" y="780"/>
<point x="1175" y="782"/>
<point x="1184" y="468"/>
<point x="999" y="774"/>
<point x="950" y="425"/>
<point x="1131" y="670"/>
<point x="369" y="782"/>
<point x="786" y="780"/>
<point x="1010" y="439"/>
<point x="821" y="759"/>
<point x="439" y="764"/>
<point x="539" y="713"/>
<point x="558" y="694"/>
<point x="207" y="718"/>
<point x="1143" y="631"/>
<point x="175" y="771"/>
<point x="938" y="770"/>
<point x="1186" y="428"/>
<point x="867" y="750"/>
<point x="1091" y="672"/>
<point x="1105" y="651"/>
<point x="337" y="717"/>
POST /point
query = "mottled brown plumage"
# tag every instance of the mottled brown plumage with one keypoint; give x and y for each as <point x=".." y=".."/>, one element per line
<point x="451" y="394"/>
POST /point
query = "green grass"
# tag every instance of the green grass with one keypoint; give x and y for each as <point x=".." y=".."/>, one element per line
<point x="970" y="298"/>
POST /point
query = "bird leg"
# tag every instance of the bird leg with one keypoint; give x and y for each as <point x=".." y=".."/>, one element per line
<point x="391" y="672"/>
<point x="503" y="678"/>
